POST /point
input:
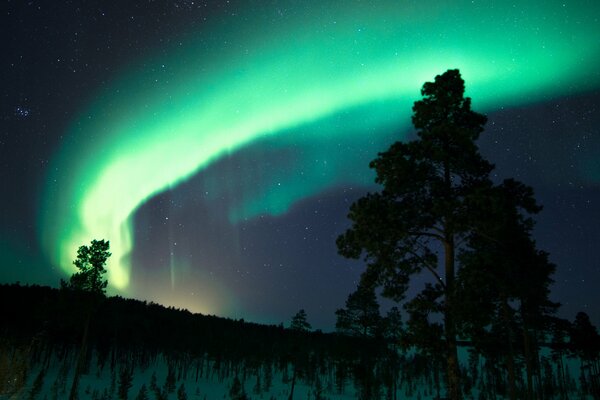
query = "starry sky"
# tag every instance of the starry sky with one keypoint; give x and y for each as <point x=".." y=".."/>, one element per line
<point x="219" y="144"/>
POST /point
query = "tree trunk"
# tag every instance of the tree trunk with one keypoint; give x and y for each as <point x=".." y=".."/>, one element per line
<point x="537" y="365"/>
<point x="528" y="366"/>
<point x="395" y="385"/>
<point x="436" y="375"/>
<point x="510" y="358"/>
<point x="594" y="375"/>
<point x="453" y="372"/>
<point x="80" y="359"/>
<point x="582" y="380"/>
<point x="291" y="396"/>
<point x="562" y="380"/>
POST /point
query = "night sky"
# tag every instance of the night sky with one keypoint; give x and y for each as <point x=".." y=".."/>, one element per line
<point x="219" y="144"/>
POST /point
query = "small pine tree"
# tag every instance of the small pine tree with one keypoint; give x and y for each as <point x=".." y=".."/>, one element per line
<point x="125" y="382"/>
<point x="159" y="393"/>
<point x="361" y="315"/>
<point x="90" y="263"/>
<point x="153" y="382"/>
<point x="181" y="393"/>
<point x="170" y="381"/>
<point x="300" y="323"/>
<point x="237" y="392"/>
<point x="142" y="394"/>
<point x="257" y="386"/>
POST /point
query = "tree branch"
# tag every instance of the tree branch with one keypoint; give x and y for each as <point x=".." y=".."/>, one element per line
<point x="429" y="267"/>
<point x="428" y="234"/>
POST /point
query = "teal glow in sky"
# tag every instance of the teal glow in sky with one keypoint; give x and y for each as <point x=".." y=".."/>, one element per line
<point x="348" y="70"/>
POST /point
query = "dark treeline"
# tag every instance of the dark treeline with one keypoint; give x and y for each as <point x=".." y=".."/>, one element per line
<point x="55" y="318"/>
<point x="44" y="325"/>
<point x="374" y="355"/>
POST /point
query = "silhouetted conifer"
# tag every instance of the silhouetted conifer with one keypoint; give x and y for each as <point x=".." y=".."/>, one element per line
<point x="300" y="322"/>
<point x="361" y="316"/>
<point x="170" y="380"/>
<point x="585" y="344"/>
<point x="426" y="187"/>
<point x="90" y="263"/>
<point x="236" y="391"/>
<point x="181" y="393"/>
<point x="89" y="278"/>
<point x="153" y="382"/>
<point x="142" y="393"/>
<point x="125" y="382"/>
<point x="505" y="281"/>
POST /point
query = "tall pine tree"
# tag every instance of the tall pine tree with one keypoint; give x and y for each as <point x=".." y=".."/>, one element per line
<point x="423" y="205"/>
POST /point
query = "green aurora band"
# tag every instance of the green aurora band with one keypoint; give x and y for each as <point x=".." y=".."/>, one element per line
<point x="164" y="120"/>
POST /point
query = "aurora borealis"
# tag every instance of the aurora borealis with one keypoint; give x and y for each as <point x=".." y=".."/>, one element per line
<point x="198" y="151"/>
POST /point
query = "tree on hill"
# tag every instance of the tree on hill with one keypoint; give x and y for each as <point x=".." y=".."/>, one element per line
<point x="300" y="322"/>
<point x="90" y="263"/>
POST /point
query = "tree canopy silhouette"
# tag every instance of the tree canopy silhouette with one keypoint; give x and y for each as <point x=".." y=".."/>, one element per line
<point x="300" y="322"/>
<point x="361" y="316"/>
<point x="504" y="281"/>
<point x="90" y="263"/>
<point x="426" y="203"/>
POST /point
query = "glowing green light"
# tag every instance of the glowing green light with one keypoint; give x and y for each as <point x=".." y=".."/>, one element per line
<point x="145" y="133"/>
